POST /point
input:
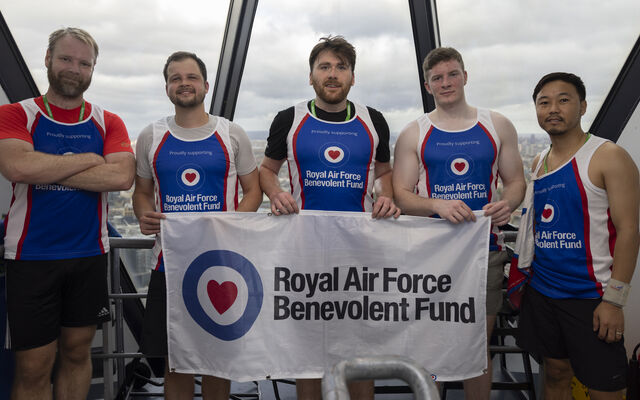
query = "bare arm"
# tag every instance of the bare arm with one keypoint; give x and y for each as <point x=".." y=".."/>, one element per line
<point x="144" y="206"/>
<point x="281" y="201"/>
<point x="405" y="176"/>
<point x="116" y="174"/>
<point x="20" y="163"/>
<point x="384" y="207"/>
<point x="620" y="178"/>
<point x="251" y="192"/>
<point x="511" y="172"/>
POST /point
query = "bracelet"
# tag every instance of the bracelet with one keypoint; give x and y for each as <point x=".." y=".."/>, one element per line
<point x="616" y="292"/>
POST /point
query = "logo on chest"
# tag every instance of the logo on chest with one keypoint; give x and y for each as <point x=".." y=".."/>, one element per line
<point x="459" y="166"/>
<point x="190" y="177"/>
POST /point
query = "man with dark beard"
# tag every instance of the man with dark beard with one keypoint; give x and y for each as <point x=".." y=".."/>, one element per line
<point x="335" y="150"/>
<point x="62" y="155"/>
<point x="193" y="153"/>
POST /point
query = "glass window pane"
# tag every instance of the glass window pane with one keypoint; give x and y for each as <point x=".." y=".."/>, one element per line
<point x="135" y="38"/>
<point x="508" y="46"/>
<point x="276" y="74"/>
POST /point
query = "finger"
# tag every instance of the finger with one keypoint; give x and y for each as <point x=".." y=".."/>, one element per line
<point x="376" y="209"/>
<point x="397" y="213"/>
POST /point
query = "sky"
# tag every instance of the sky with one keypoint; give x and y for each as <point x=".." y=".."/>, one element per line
<point x="506" y="45"/>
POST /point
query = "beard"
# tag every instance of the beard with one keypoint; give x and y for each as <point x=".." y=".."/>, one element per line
<point x="331" y="98"/>
<point x="194" y="101"/>
<point x="67" y="84"/>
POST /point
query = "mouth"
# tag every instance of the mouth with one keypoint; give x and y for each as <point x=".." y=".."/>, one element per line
<point x="554" y="119"/>
<point x="332" y="85"/>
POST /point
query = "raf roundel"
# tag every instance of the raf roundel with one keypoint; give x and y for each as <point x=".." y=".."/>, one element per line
<point x="459" y="166"/>
<point x="190" y="177"/>
<point x="222" y="291"/>
<point x="334" y="154"/>
<point x="548" y="212"/>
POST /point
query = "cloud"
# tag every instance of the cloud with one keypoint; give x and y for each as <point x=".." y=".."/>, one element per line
<point x="507" y="47"/>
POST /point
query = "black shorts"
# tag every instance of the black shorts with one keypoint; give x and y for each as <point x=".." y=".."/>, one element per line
<point x="563" y="329"/>
<point x="154" y="329"/>
<point x="43" y="296"/>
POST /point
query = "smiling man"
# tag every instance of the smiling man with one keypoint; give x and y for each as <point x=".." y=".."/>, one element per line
<point x="586" y="203"/>
<point x="62" y="155"/>
<point x="447" y="164"/>
<point x="190" y="161"/>
<point x="335" y="150"/>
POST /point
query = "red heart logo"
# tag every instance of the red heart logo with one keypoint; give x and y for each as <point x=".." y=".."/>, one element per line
<point x="334" y="154"/>
<point x="190" y="176"/>
<point x="222" y="296"/>
<point x="459" y="166"/>
<point x="546" y="213"/>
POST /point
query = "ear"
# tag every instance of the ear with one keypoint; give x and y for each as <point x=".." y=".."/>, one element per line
<point x="426" y="86"/>
<point x="47" y="58"/>
<point x="583" y="107"/>
<point x="353" y="78"/>
<point x="465" y="77"/>
<point x="166" y="88"/>
<point x="206" y="87"/>
<point x="310" y="80"/>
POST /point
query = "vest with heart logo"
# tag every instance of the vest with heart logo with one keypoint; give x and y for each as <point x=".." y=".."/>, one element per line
<point x="331" y="164"/>
<point x="460" y="165"/>
<point x="192" y="175"/>
<point x="574" y="235"/>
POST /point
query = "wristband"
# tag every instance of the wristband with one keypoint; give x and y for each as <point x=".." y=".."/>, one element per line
<point x="616" y="292"/>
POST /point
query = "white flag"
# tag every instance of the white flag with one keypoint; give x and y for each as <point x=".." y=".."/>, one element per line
<point x="254" y="296"/>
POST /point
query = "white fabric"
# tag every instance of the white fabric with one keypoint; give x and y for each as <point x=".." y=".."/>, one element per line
<point x="310" y="248"/>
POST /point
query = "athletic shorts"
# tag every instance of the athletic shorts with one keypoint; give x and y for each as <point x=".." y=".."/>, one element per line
<point x="154" y="328"/>
<point x="563" y="329"/>
<point x="43" y="296"/>
<point x="495" y="278"/>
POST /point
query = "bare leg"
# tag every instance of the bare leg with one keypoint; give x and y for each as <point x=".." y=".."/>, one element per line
<point x="214" y="388"/>
<point x="479" y="388"/>
<point x="598" y="395"/>
<point x="557" y="379"/>
<point x="32" y="379"/>
<point x="177" y="386"/>
<point x="309" y="389"/>
<point x="73" y="377"/>
<point x="361" y="390"/>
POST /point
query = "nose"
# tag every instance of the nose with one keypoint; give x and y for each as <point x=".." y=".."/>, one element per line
<point x="553" y="107"/>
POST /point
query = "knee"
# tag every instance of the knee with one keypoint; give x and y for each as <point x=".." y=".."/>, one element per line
<point x="557" y="372"/>
<point x="34" y="371"/>
<point x="78" y="354"/>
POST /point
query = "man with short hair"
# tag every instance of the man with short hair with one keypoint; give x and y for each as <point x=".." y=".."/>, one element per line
<point x="62" y="155"/>
<point x="191" y="153"/>
<point x="586" y="197"/>
<point x="335" y="150"/>
<point x="447" y="164"/>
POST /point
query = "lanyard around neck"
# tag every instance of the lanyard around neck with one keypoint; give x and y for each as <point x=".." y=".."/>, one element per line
<point x="547" y="155"/>
<point x="46" y="105"/>
<point x="313" y="109"/>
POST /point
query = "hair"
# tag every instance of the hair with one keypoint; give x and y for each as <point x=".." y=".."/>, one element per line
<point x="439" y="55"/>
<point x="337" y="45"/>
<point x="77" y="33"/>
<point x="565" y="77"/>
<point x="182" y="55"/>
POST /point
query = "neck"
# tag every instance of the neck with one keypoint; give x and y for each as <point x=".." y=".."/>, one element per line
<point x="67" y="103"/>
<point x="192" y="117"/>
<point x="460" y="111"/>
<point x="331" y="107"/>
<point x="568" y="143"/>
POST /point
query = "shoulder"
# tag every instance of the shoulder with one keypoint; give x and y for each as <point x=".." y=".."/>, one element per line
<point x="13" y="111"/>
<point x="375" y="114"/>
<point x="409" y="134"/>
<point x="504" y="127"/>
<point x="612" y="156"/>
